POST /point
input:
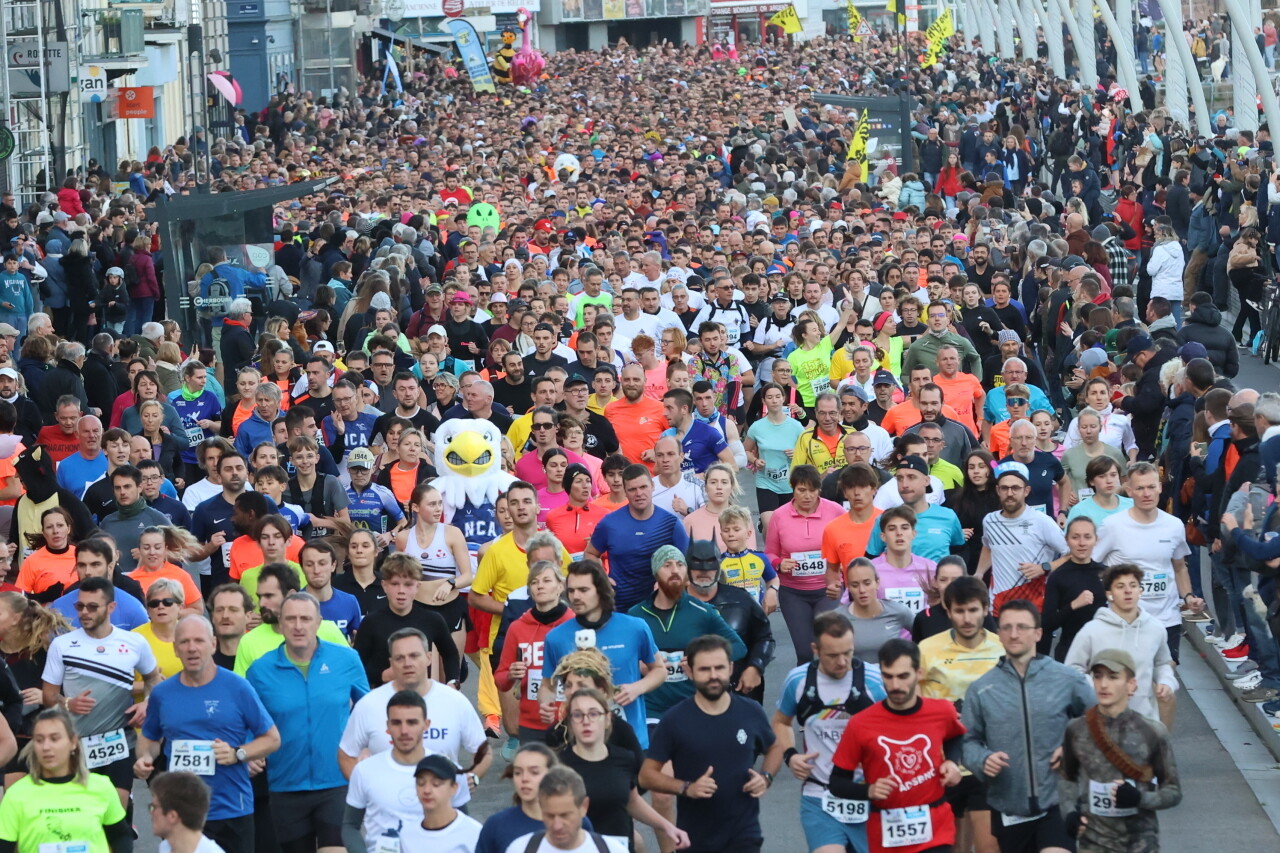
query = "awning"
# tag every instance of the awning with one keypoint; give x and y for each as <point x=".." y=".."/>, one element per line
<point x="444" y="45"/>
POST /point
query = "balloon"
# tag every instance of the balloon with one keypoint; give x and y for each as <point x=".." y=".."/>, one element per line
<point x="483" y="215"/>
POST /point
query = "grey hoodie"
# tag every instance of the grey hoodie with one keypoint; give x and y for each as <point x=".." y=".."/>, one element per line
<point x="1026" y="719"/>
<point x="1144" y="638"/>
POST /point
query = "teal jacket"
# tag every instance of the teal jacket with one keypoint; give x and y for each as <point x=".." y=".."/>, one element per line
<point x="673" y="630"/>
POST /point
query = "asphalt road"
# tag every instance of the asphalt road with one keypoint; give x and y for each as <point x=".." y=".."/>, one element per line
<point x="1224" y="771"/>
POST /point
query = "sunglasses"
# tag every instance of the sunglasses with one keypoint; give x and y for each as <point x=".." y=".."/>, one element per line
<point x="543" y="426"/>
<point x="162" y="602"/>
<point x="1016" y="401"/>
<point x="82" y="606"/>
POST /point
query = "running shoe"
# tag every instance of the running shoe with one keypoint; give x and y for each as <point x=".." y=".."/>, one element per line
<point x="1272" y="708"/>
<point x="1260" y="694"/>
<point x="1241" y="668"/>
<point x="1225" y="643"/>
<point x="1237" y="653"/>
<point x="510" y="748"/>
<point x="1248" y="681"/>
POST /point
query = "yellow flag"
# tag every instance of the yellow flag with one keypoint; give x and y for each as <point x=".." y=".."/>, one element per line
<point x="855" y="19"/>
<point x="788" y="20"/>
<point x="858" y="144"/>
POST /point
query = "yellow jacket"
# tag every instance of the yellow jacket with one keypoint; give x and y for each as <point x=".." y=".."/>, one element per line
<point x="810" y="450"/>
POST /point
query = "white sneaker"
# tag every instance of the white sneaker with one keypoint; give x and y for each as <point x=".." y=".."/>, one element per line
<point x="1248" y="681"/>
<point x="1225" y="643"/>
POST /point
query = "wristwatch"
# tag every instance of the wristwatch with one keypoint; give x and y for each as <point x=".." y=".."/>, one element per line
<point x="241" y="755"/>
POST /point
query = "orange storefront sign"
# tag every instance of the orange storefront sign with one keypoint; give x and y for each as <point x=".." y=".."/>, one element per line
<point x="136" y="102"/>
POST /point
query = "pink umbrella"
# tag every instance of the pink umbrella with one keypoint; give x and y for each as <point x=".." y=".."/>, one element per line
<point x="226" y="86"/>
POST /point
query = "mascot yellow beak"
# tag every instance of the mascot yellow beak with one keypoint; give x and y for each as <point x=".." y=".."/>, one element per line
<point x="469" y="455"/>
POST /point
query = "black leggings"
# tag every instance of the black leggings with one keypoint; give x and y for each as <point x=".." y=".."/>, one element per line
<point x="799" y="607"/>
<point x="1249" y="313"/>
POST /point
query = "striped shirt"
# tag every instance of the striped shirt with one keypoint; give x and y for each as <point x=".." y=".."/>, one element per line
<point x="104" y="667"/>
<point x="1032" y="537"/>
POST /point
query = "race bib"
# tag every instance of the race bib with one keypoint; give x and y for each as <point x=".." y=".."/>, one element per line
<point x="386" y="844"/>
<point x="1155" y="585"/>
<point x="101" y="750"/>
<point x="195" y="435"/>
<point x="532" y="686"/>
<point x="675" y="672"/>
<point x="808" y="564"/>
<point x="906" y="827"/>
<point x="911" y="597"/>
<point x="577" y="556"/>
<point x="732" y="333"/>
<point x="195" y="756"/>
<point x="65" y="847"/>
<point x="1102" y="800"/>
<point x="1015" y="819"/>
<point x="820" y="385"/>
<point x="846" y="811"/>
<point x="777" y="475"/>
<point x="467" y="363"/>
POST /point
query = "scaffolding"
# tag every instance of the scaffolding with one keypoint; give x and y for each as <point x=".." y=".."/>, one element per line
<point x="24" y="87"/>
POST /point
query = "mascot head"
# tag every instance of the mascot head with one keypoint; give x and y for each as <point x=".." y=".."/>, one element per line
<point x="468" y="448"/>
<point x="508" y="37"/>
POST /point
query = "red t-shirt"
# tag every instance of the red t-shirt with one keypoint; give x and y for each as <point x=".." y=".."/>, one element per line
<point x="907" y="747"/>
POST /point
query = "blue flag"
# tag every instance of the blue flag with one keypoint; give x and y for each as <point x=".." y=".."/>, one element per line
<point x="471" y="50"/>
<point x="393" y="71"/>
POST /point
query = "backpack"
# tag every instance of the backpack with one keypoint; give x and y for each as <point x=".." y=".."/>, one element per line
<point x="535" y="841"/>
<point x="811" y="703"/>
<point x="216" y="298"/>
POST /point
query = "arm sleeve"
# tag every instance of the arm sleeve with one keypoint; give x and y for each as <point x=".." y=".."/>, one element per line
<point x="119" y="836"/>
<point x="717" y="625"/>
<point x="443" y="642"/>
<point x="352" y="821"/>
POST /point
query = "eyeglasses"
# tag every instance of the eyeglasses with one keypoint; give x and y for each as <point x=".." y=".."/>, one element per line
<point x="543" y="426"/>
<point x="589" y="716"/>
<point x="82" y="606"/>
<point x="859" y="448"/>
<point x="162" y="602"/>
<point x="1016" y="629"/>
<point x="1017" y="401"/>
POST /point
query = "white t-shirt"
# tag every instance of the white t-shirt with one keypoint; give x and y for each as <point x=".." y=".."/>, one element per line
<point x="829" y="315"/>
<point x="587" y="846"/>
<point x="206" y="845"/>
<point x="1032" y="537"/>
<point x="460" y="836"/>
<point x="199" y="492"/>
<point x="690" y="491"/>
<point x="644" y="324"/>
<point x="385" y="789"/>
<point x="887" y="496"/>
<point x="455" y="727"/>
<point x="1154" y="547"/>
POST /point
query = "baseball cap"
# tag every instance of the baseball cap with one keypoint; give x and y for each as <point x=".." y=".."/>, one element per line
<point x="116" y="271"/>
<point x="8" y="371"/>
<point x="1070" y="262"/>
<point x="323" y="346"/>
<point x="437" y="765"/>
<point x="780" y="297"/>
<point x="1116" y="660"/>
<point x="544" y="225"/>
<point x="1137" y="344"/>
<point x="1192" y="349"/>
<point x="1093" y="358"/>
<point x="1015" y="468"/>
<point x="461" y="296"/>
<point x="360" y="457"/>
<point x="884" y="377"/>
<point x="913" y="462"/>
<point x="853" y="388"/>
<point x="437" y="329"/>
<point x="498" y="297"/>
<point x="434" y="288"/>
<point x="8" y="331"/>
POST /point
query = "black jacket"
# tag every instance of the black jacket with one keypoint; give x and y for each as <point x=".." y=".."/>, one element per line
<point x="1147" y="402"/>
<point x="29" y="419"/>
<point x="1204" y="326"/>
<point x="99" y="381"/>
<point x="64" y="379"/>
<point x="237" y="349"/>
<point x="1178" y="205"/>
<point x="746" y="617"/>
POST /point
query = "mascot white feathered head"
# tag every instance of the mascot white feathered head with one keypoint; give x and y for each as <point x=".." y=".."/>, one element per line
<point x="469" y="461"/>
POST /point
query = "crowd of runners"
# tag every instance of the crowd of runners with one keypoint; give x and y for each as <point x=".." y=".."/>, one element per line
<point x="592" y="400"/>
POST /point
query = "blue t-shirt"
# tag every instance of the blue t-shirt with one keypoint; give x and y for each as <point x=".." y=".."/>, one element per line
<point x="630" y="545"/>
<point x="355" y="433"/>
<point x="207" y="519"/>
<point x="191" y="412"/>
<point x="479" y="524"/>
<point x="376" y="508"/>
<point x="129" y="612"/>
<point x="509" y="824"/>
<point x="1045" y="470"/>
<point x="225" y="709"/>
<point x="75" y="473"/>
<point x="702" y="445"/>
<point x="624" y="640"/>
<point x="173" y="509"/>
<point x="937" y="530"/>
<point x="344" y="610"/>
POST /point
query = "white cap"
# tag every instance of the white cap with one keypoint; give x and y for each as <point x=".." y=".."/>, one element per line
<point x="437" y="329"/>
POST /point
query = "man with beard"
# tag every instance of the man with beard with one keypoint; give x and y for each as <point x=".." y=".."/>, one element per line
<point x="957" y="440"/>
<point x="599" y="439"/>
<point x="901" y="745"/>
<point x="276" y="582"/>
<point x="1018" y="542"/>
<point x="740" y="611"/>
<point x="230" y="608"/>
<point x="211" y="521"/>
<point x="637" y="419"/>
<point x="625" y="640"/>
<point x="675" y="619"/>
<point x="712" y="740"/>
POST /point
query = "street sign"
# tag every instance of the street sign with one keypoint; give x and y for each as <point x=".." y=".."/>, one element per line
<point x="27" y="63"/>
<point x="136" y="102"/>
<point x="93" y="84"/>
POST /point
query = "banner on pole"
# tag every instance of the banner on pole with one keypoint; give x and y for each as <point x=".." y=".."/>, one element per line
<point x="471" y="50"/>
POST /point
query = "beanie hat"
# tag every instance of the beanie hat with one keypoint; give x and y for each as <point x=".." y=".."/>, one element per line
<point x="660" y="557"/>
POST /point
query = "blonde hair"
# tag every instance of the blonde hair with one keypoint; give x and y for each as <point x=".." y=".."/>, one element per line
<point x="37" y="624"/>
<point x="29" y="757"/>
